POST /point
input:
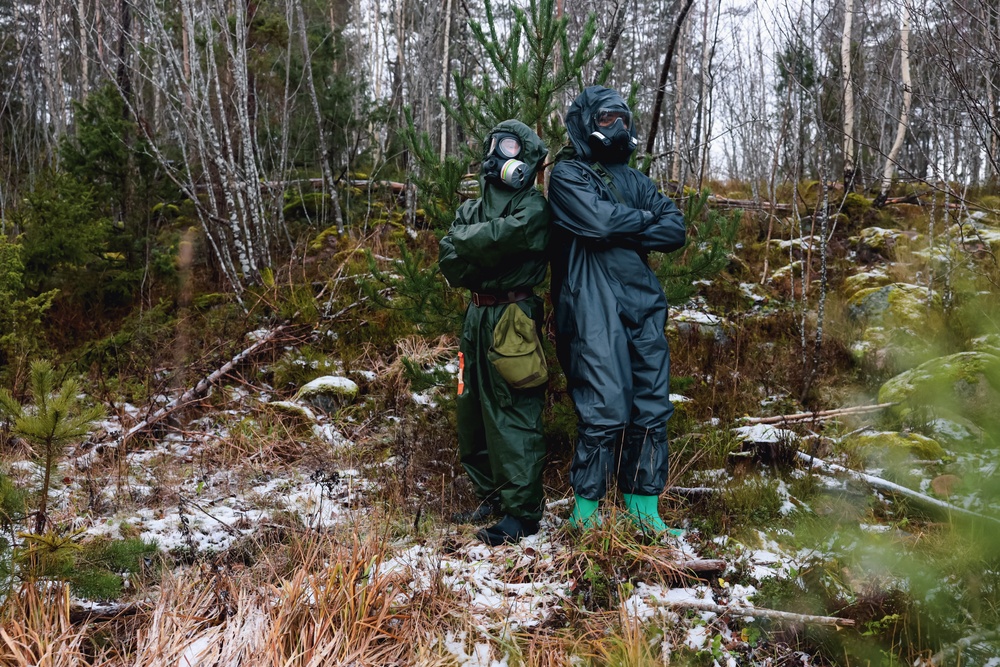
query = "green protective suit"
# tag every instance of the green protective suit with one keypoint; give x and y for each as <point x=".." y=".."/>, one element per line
<point x="610" y="309"/>
<point x="498" y="243"/>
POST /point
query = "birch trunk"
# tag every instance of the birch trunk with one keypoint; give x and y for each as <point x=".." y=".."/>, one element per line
<point x="675" y="168"/>
<point x="444" y="79"/>
<point x="48" y="83"/>
<point x="708" y="93"/>
<point x="904" y="114"/>
<point x="81" y="11"/>
<point x="848" y="82"/>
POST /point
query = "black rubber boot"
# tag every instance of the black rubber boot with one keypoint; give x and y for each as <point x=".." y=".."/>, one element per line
<point x="508" y="530"/>
<point x="486" y="510"/>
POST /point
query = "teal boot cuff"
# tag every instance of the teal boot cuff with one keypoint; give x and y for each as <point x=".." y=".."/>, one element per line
<point x="584" y="513"/>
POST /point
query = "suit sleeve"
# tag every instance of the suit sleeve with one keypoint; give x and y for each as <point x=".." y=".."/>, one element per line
<point x="497" y="241"/>
<point x="457" y="270"/>
<point x="578" y="206"/>
<point x="668" y="230"/>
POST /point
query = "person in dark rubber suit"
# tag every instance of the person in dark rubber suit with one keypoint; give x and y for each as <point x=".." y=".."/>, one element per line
<point x="610" y="309"/>
<point x="497" y="248"/>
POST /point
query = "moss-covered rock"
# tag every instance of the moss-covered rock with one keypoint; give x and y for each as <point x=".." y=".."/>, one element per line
<point x="866" y="280"/>
<point x="986" y="343"/>
<point x="897" y="304"/>
<point x="966" y="384"/>
<point x="892" y="444"/>
<point x="898" y="328"/>
<point x="874" y="242"/>
<point x="855" y="206"/>
<point x="976" y="237"/>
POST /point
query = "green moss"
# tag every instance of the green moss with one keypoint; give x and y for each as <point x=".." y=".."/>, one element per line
<point x="967" y="383"/>
<point x="855" y="206"/>
<point x="328" y="237"/>
<point x="874" y="445"/>
<point x="865" y="280"/>
<point x="898" y="303"/>
<point x="310" y="206"/>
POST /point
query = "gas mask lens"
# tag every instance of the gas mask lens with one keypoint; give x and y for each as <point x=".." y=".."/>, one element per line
<point x="607" y="118"/>
<point x="505" y="146"/>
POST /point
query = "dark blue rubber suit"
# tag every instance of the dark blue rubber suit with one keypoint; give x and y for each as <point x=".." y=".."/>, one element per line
<point x="610" y="308"/>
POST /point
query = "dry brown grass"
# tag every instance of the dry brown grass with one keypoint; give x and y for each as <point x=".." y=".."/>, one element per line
<point x="337" y="607"/>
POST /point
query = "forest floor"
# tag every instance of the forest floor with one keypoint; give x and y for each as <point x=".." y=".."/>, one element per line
<point x="300" y="530"/>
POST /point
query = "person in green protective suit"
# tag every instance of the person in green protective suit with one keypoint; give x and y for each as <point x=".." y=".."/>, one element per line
<point x="610" y="309"/>
<point x="497" y="249"/>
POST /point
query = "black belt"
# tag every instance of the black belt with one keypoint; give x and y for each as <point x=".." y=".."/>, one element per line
<point x="512" y="296"/>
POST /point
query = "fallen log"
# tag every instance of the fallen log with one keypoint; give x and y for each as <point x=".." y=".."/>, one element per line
<point x="817" y="416"/>
<point x="892" y="487"/>
<point x="756" y="612"/>
<point x="200" y="389"/>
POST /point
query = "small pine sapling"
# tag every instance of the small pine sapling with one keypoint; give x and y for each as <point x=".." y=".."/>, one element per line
<point x="706" y="250"/>
<point x="53" y="422"/>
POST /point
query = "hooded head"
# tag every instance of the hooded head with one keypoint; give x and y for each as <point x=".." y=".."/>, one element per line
<point x="512" y="154"/>
<point x="601" y="127"/>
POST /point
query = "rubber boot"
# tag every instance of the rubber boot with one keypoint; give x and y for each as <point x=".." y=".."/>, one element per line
<point x="584" y="513"/>
<point x="644" y="513"/>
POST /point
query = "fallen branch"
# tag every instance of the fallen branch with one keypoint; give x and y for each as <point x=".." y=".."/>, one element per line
<point x="817" y="416"/>
<point x="747" y="204"/>
<point x="117" y="612"/>
<point x="757" y="612"/>
<point x="692" y="490"/>
<point x="701" y="566"/>
<point x="891" y="487"/>
<point x="950" y="652"/>
<point x="200" y="389"/>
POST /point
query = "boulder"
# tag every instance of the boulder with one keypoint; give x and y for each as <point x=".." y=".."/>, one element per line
<point x="966" y="384"/>
<point x="705" y="325"/>
<point x="328" y="393"/>
<point x="986" y="343"/>
<point x="877" y="242"/>
<point x="976" y="237"/>
<point x="898" y="328"/>
<point x="865" y="280"/>
<point x="894" y="444"/>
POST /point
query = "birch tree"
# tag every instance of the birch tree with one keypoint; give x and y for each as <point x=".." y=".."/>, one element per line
<point x="848" y="87"/>
<point x="904" y="67"/>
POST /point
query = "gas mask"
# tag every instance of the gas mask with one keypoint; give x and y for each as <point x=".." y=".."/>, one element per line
<point x="500" y="165"/>
<point x="611" y="139"/>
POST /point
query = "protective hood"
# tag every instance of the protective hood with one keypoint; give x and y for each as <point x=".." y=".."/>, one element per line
<point x="580" y="118"/>
<point x="496" y="197"/>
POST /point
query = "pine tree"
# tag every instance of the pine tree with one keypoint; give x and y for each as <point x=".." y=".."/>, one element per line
<point x="532" y="65"/>
<point x="52" y="423"/>
<point x="706" y="249"/>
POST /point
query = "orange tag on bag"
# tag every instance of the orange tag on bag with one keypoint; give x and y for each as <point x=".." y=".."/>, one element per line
<point x="461" y="373"/>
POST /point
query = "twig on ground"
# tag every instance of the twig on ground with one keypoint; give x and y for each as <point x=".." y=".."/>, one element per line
<point x="817" y="416"/>
<point x="757" y="612"/>
<point x="891" y="487"/>
<point x="199" y="390"/>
